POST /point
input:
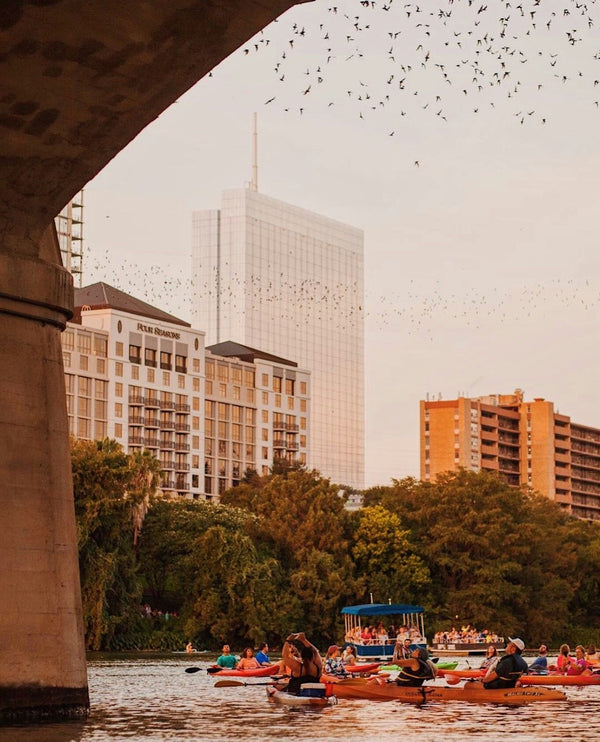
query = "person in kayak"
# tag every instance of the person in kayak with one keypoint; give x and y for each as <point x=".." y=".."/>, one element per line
<point x="491" y="659"/>
<point x="540" y="663"/>
<point x="303" y="660"/>
<point x="401" y="650"/>
<point x="248" y="661"/>
<point x="333" y="662"/>
<point x="261" y="656"/>
<point x="415" y="670"/>
<point x="509" y="669"/>
<point x="227" y="660"/>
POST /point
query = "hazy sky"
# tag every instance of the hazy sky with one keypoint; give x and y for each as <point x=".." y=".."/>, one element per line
<point x="466" y="146"/>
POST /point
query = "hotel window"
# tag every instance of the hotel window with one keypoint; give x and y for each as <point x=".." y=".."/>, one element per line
<point x="265" y="452"/>
<point x="290" y="401"/>
<point x="210" y="369"/>
<point x="289" y="386"/>
<point x="236" y="432"/>
<point x="118" y="389"/>
<point x="302" y="423"/>
<point x="222" y="448"/>
<point x="265" y="471"/>
<point x="118" y="409"/>
<point x="276" y="384"/>
<point x="303" y="441"/>
<point x="196" y="365"/>
<point x="278" y="400"/>
<point x="265" y="416"/>
<point x="166" y="378"/>
<point x="118" y="430"/>
<point x="150" y="375"/>
<point x="119" y="349"/>
<point x="302" y="405"/>
<point x="250" y="436"/>
<point x="195" y="442"/>
<point x="135" y="372"/>
<point x="181" y="364"/>
<point x="181" y="382"/>
<point x="118" y="369"/>
<point x="195" y="423"/>
<point x="250" y="396"/>
<point x="223" y="410"/>
<point x="249" y="416"/>
<point x="209" y="408"/>
<point x="222" y="470"/>
<point x="249" y="377"/>
<point x="222" y="390"/>
<point x="208" y="386"/>
<point x="237" y="392"/>
<point x="223" y="372"/>
<point x="249" y="452"/>
<point x="195" y="403"/>
<point x="265" y="397"/>
<point x="209" y="447"/>
<point x="195" y="481"/>
<point x="236" y="375"/>
<point x="265" y="379"/>
<point x="100" y="406"/>
<point x="209" y="428"/>
<point x="84" y="343"/>
<point x="67" y="360"/>
<point x="208" y="485"/>
<point x="302" y="459"/>
<point x="195" y="461"/>
<point x="135" y="354"/>
<point x="265" y="434"/>
<point x="100" y="346"/>
<point x="83" y="363"/>
<point x="84" y="407"/>
<point x="68" y="340"/>
<point x="222" y="428"/>
<point x="100" y="429"/>
<point x="195" y="384"/>
<point x="302" y="387"/>
<point x="150" y="357"/>
<point x="100" y="366"/>
<point x="165" y="360"/>
<point x="83" y="428"/>
<point x="85" y="386"/>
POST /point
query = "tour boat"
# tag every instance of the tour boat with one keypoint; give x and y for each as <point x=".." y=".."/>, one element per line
<point x="401" y="614"/>
<point x="359" y="688"/>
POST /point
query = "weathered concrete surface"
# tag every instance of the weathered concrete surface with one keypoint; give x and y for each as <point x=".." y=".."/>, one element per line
<point x="79" y="80"/>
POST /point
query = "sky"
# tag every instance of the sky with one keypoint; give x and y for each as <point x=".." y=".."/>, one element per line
<point x="462" y="137"/>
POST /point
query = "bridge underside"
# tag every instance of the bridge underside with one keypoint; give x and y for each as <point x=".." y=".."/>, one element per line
<point x="79" y="81"/>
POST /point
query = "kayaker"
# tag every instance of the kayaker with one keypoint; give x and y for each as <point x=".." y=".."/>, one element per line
<point x="247" y="661"/>
<point x="491" y="659"/>
<point x="333" y="662"/>
<point x="226" y="659"/>
<point x="415" y="670"/>
<point x="509" y="669"/>
<point x="401" y="650"/>
<point x="540" y="663"/>
<point x="592" y="657"/>
<point x="303" y="660"/>
<point x="349" y="655"/>
<point x="261" y="656"/>
<point x="189" y="648"/>
<point x="564" y="659"/>
<point x="580" y="666"/>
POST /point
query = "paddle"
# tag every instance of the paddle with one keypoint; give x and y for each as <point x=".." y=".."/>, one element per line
<point x="238" y="683"/>
<point x="193" y="669"/>
<point x="208" y="669"/>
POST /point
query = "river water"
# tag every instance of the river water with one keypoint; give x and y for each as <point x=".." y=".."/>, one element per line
<point x="153" y="699"/>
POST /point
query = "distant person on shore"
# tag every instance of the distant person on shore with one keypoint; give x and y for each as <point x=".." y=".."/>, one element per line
<point x="247" y="661"/>
<point x="415" y="670"/>
<point x="261" y="656"/>
<point x="509" y="669"/>
<point x="303" y="660"/>
<point x="227" y="660"/>
<point x="540" y="663"/>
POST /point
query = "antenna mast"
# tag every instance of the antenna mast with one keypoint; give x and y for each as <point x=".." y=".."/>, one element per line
<point x="255" y="157"/>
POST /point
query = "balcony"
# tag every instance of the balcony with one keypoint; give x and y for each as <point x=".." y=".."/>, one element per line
<point x="182" y="446"/>
<point x="152" y="402"/>
<point x="292" y="427"/>
<point x="167" y="424"/>
<point x="167" y="444"/>
<point x="182" y="467"/>
<point x="182" y="427"/>
<point x="136" y="399"/>
<point x="152" y="442"/>
<point x="168" y="484"/>
<point x="136" y="420"/>
<point x="152" y="422"/>
<point x="167" y="465"/>
<point x="167" y="404"/>
<point x="292" y="446"/>
<point x="279" y="443"/>
<point x="182" y="407"/>
<point x="136" y="440"/>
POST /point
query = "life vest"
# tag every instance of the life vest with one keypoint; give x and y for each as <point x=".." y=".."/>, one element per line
<point x="414" y="678"/>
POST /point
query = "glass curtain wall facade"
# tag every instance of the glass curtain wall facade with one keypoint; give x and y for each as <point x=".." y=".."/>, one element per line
<point x="290" y="282"/>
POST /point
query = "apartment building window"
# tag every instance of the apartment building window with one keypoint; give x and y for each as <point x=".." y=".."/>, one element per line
<point x="83" y="428"/>
<point x="210" y="369"/>
<point x="250" y="418"/>
<point x="209" y="408"/>
<point x="209" y="449"/>
<point x="195" y="442"/>
<point x="302" y="387"/>
<point x="302" y="423"/>
<point x="100" y="365"/>
<point x="236" y="432"/>
<point x="249" y="452"/>
<point x="119" y="349"/>
<point x="265" y="416"/>
<point x="166" y="378"/>
<point x="208" y="485"/>
<point x="68" y="340"/>
<point x="181" y="364"/>
<point x="303" y="441"/>
<point x="196" y="365"/>
<point x="83" y="363"/>
<point x="165" y="360"/>
<point x="278" y="400"/>
<point x="118" y="389"/>
<point x="290" y="401"/>
<point x="135" y="372"/>
<point x="135" y="354"/>
<point x="67" y="360"/>
<point x="150" y="357"/>
<point x="222" y="448"/>
<point x="118" y="368"/>
<point x="118" y="409"/>
<point x="209" y="428"/>
<point x="236" y="375"/>
<point x="208" y="386"/>
<point x="249" y="377"/>
<point x="118" y="430"/>
<point x="237" y="392"/>
<point x="265" y="397"/>
<point x="100" y="346"/>
<point x="265" y="452"/>
<point x="84" y="343"/>
<point x="181" y="382"/>
<point x="222" y="390"/>
<point x="150" y="375"/>
<point x="223" y="410"/>
<point x="265" y="434"/>
<point x="222" y="428"/>
<point x="289" y="386"/>
<point x="196" y="403"/>
<point x="100" y="429"/>
<point x="195" y="422"/>
<point x="265" y="471"/>
<point x="195" y="461"/>
<point x="250" y="396"/>
<point x="196" y="384"/>
<point x="265" y="379"/>
<point x="276" y="384"/>
<point x="223" y="372"/>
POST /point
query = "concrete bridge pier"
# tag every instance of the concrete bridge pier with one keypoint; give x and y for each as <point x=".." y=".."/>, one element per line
<point x="42" y="666"/>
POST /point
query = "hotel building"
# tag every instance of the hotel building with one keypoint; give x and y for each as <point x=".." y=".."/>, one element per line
<point x="273" y="276"/>
<point x="144" y="377"/>
<point x="525" y="442"/>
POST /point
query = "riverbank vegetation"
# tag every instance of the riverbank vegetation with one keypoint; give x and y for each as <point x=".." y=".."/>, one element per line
<point x="282" y="553"/>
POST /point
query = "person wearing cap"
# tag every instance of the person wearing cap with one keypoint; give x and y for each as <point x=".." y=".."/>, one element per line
<point x="509" y="669"/>
<point x="540" y="663"/>
<point x="415" y="670"/>
<point x="333" y="662"/>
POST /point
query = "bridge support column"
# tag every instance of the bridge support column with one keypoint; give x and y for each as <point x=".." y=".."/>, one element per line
<point x="42" y="666"/>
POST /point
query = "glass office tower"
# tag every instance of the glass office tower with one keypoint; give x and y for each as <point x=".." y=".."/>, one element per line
<point x="290" y="282"/>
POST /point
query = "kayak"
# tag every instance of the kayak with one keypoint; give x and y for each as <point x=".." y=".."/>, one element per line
<point x="439" y="665"/>
<point x="363" y="667"/>
<point x="560" y="680"/>
<point x="289" y="699"/>
<point x="357" y="688"/>
<point x="462" y="673"/>
<point x="258" y="672"/>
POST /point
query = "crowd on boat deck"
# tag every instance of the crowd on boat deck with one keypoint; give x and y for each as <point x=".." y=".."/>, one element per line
<point x="466" y="635"/>
<point x="380" y="634"/>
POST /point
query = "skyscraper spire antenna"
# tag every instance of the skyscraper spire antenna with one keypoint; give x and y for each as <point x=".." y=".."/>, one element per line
<point x="255" y="156"/>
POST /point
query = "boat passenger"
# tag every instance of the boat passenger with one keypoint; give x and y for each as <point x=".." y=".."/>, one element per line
<point x="491" y="659"/>
<point x="248" y="661"/>
<point x="349" y="655"/>
<point x="580" y="666"/>
<point x="333" y="662"/>
<point x="303" y="660"/>
<point x="261" y="656"/>
<point x="227" y="660"/>
<point x="415" y="670"/>
<point x="592" y="656"/>
<point x="564" y="659"/>
<point x="509" y="669"/>
<point x="540" y="663"/>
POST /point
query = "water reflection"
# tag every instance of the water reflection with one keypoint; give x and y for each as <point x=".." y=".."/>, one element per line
<point x="155" y="700"/>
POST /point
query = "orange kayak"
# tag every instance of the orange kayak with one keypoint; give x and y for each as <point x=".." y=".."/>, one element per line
<point x="560" y="680"/>
<point x="359" y="688"/>
<point x="258" y="672"/>
<point x="462" y="673"/>
<point x="364" y="667"/>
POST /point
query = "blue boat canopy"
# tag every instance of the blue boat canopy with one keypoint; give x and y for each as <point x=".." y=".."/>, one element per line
<point x="381" y="609"/>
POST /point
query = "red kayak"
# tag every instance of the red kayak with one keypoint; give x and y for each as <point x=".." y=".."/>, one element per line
<point x="560" y="680"/>
<point x="461" y="673"/>
<point x="258" y="672"/>
<point x="364" y="667"/>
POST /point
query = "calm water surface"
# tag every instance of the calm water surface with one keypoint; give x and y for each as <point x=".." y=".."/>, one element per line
<point x="155" y="700"/>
